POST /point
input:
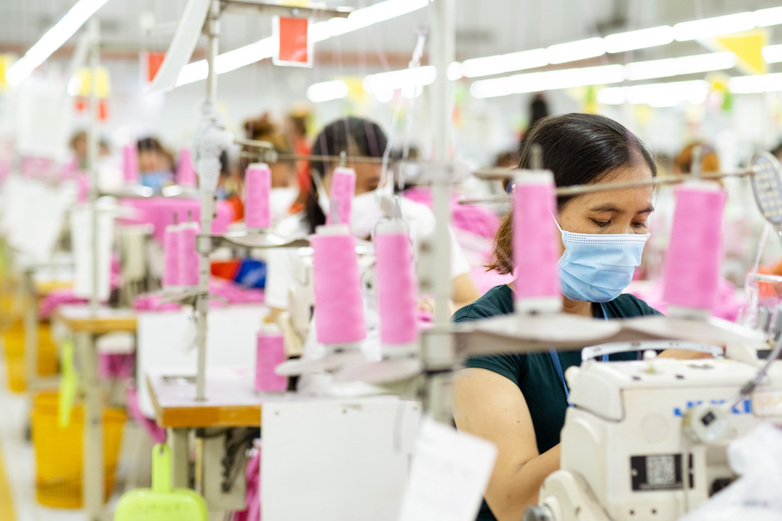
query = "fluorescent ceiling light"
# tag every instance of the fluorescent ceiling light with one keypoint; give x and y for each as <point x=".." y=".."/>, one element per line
<point x="52" y="40"/>
<point x="772" y="53"/>
<point x="500" y="64"/>
<point x="767" y="17"/>
<point x="320" y="31"/>
<point x="491" y="88"/>
<point x="550" y="80"/>
<point x="393" y="80"/>
<point x="756" y="84"/>
<point x="716" y="61"/>
<point x="327" y="91"/>
<point x="717" y="26"/>
<point x="656" y="94"/>
<point x="641" y="39"/>
<point x="578" y="50"/>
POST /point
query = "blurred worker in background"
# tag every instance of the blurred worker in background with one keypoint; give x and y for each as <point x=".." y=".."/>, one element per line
<point x="296" y="130"/>
<point x="155" y="164"/>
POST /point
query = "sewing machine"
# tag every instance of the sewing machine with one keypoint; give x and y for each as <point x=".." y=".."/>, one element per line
<point x="638" y="430"/>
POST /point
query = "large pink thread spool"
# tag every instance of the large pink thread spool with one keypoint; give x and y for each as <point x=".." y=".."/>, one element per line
<point x="130" y="164"/>
<point x="185" y="173"/>
<point x="171" y="255"/>
<point x="189" y="259"/>
<point x="269" y="353"/>
<point x="337" y="281"/>
<point x="535" y="254"/>
<point x="692" y="267"/>
<point x="343" y="188"/>
<point x="396" y="288"/>
<point x="257" y="187"/>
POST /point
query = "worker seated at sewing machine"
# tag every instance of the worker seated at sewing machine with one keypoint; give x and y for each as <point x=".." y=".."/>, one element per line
<point x="519" y="401"/>
<point x="358" y="138"/>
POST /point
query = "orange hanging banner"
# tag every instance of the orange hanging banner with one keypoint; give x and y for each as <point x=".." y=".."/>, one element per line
<point x="293" y="46"/>
<point x="150" y="64"/>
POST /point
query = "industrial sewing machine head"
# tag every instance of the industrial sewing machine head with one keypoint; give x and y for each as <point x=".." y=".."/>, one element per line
<point x="647" y="440"/>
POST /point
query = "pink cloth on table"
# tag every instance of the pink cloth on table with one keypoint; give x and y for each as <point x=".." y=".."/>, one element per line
<point x="253" y="510"/>
<point x="118" y="366"/>
<point x="159" y="212"/>
<point x="727" y="305"/>
<point x="56" y="299"/>
<point x="475" y="219"/>
<point x="230" y="291"/>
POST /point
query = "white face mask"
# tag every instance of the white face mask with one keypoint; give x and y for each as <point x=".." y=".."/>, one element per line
<point x="280" y="201"/>
<point x="365" y="214"/>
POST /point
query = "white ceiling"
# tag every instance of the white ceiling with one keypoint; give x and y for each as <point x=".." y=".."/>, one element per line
<point x="484" y="27"/>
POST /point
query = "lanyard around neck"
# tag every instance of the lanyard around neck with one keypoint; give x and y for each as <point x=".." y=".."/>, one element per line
<point x="558" y="364"/>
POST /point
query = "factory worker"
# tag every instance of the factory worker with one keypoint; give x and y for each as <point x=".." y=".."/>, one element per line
<point x="519" y="401"/>
<point x="358" y="137"/>
<point x="285" y="187"/>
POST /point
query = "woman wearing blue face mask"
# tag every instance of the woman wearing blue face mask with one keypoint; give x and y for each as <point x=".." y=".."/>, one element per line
<point x="519" y="401"/>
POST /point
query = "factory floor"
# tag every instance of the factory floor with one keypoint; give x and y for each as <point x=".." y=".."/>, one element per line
<point x="17" y="462"/>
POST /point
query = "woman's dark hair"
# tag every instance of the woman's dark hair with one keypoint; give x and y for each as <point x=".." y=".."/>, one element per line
<point x="578" y="149"/>
<point x="354" y="136"/>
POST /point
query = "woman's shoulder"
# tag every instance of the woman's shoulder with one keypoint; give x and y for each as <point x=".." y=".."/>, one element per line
<point x="627" y="305"/>
<point x="496" y="301"/>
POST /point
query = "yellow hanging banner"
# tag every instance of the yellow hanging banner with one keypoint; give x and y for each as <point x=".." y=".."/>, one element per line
<point x="83" y="83"/>
<point x="6" y="60"/>
<point x="748" y="48"/>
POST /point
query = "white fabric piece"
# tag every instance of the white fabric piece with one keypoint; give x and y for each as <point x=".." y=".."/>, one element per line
<point x="210" y="140"/>
<point x="757" y="457"/>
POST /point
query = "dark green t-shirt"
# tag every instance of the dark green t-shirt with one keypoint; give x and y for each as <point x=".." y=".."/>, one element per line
<point x="535" y="373"/>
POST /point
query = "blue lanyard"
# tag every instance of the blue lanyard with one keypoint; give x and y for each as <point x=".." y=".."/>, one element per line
<point x="558" y="365"/>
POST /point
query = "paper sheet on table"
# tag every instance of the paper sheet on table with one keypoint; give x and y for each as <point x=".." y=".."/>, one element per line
<point x="81" y="236"/>
<point x="450" y="471"/>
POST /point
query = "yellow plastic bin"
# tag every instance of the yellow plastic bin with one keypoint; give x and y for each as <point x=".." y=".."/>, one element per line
<point x="13" y="340"/>
<point x="47" y="364"/>
<point x="58" y="452"/>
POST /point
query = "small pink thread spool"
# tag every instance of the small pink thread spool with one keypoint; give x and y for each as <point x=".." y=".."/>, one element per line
<point x="130" y="164"/>
<point x="343" y="188"/>
<point x="257" y="186"/>
<point x="692" y="268"/>
<point x="396" y="288"/>
<point x="189" y="259"/>
<point x="171" y="255"/>
<point x="185" y="173"/>
<point x="535" y="252"/>
<point x="337" y="282"/>
<point x="269" y="353"/>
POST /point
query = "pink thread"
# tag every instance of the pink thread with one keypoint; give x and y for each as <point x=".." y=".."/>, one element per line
<point x="337" y="282"/>
<point x="185" y="173"/>
<point x="189" y="260"/>
<point x="171" y="255"/>
<point x="343" y="188"/>
<point x="396" y="285"/>
<point x="534" y="237"/>
<point x="269" y="353"/>
<point x="130" y="164"/>
<point x="257" y="186"/>
<point x="693" y="263"/>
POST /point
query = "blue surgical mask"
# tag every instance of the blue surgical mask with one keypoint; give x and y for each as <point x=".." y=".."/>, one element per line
<point x="155" y="180"/>
<point x="598" y="267"/>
